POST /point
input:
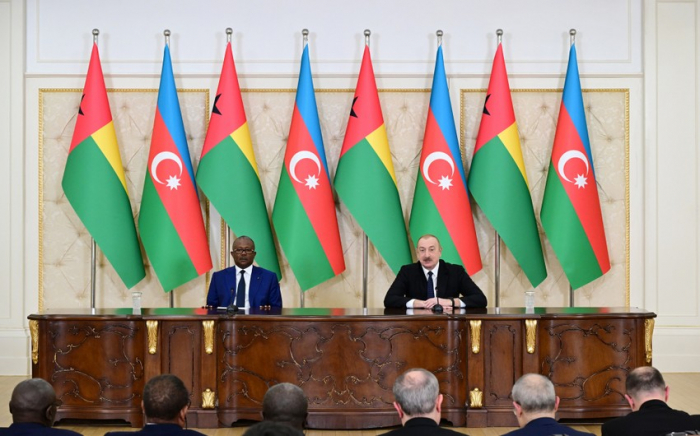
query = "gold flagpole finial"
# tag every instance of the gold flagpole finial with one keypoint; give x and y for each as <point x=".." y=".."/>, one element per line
<point x="166" y="33"/>
<point x="499" y="35"/>
<point x="367" y="34"/>
<point x="229" y="32"/>
<point x="305" y="37"/>
<point x="95" y="34"/>
<point x="572" y="36"/>
<point x="439" y="37"/>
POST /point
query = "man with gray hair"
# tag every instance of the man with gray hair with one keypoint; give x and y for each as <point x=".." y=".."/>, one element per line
<point x="419" y="404"/>
<point x="285" y="403"/>
<point x="535" y="403"/>
<point x="647" y="395"/>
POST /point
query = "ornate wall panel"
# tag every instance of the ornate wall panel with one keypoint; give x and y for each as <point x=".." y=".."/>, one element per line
<point x="65" y="247"/>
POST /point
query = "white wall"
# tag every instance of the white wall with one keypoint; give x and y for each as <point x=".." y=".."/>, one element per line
<point x="648" y="46"/>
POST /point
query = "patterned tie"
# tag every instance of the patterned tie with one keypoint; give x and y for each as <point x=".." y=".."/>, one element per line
<point x="431" y="292"/>
<point x="240" y="293"/>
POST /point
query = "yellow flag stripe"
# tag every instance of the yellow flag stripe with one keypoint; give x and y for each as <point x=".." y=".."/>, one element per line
<point x="380" y="144"/>
<point x="106" y="140"/>
<point x="511" y="140"/>
<point x="242" y="137"/>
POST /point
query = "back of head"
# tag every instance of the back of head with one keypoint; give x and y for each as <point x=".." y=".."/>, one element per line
<point x="645" y="381"/>
<point x="535" y="394"/>
<point x="164" y="396"/>
<point x="416" y="391"/>
<point x="285" y="403"/>
<point x="33" y="400"/>
<point x="271" y="428"/>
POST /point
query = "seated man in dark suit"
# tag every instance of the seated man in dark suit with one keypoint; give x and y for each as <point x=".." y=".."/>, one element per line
<point x="243" y="284"/>
<point x="419" y="403"/>
<point x="647" y="395"/>
<point x="535" y="404"/>
<point x="165" y="403"/>
<point x="33" y="408"/>
<point x="432" y="281"/>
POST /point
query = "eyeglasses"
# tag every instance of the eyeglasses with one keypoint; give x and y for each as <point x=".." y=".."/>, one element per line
<point x="243" y="251"/>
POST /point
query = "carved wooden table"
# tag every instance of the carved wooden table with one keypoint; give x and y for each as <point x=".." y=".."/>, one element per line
<point x="345" y="360"/>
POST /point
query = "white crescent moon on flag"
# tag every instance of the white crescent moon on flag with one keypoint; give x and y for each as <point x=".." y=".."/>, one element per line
<point x="160" y="157"/>
<point x="566" y="157"/>
<point x="298" y="157"/>
<point x="432" y="157"/>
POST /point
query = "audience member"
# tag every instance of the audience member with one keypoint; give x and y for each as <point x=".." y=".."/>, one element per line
<point x="647" y="395"/>
<point x="285" y="403"/>
<point x="535" y="405"/>
<point x="271" y="428"/>
<point x="419" y="404"/>
<point x="165" y="403"/>
<point x="33" y="409"/>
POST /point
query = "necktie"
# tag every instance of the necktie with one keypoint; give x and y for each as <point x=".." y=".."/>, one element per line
<point x="240" y="293"/>
<point x="431" y="291"/>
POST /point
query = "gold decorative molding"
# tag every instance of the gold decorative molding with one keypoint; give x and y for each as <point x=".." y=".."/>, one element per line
<point x="208" y="327"/>
<point x="152" y="326"/>
<point x="476" y="398"/>
<point x="648" y="331"/>
<point x="208" y="398"/>
<point x="34" y="332"/>
<point x="531" y="334"/>
<point x="475" y="326"/>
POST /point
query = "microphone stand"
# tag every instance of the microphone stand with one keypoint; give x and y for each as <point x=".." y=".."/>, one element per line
<point x="232" y="308"/>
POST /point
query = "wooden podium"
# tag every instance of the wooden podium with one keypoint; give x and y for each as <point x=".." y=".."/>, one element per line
<point x="345" y="360"/>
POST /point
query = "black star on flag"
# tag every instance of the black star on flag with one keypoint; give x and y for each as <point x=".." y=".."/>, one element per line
<point x="486" y="111"/>
<point x="216" y="109"/>
<point x="352" y="108"/>
<point x="80" y="108"/>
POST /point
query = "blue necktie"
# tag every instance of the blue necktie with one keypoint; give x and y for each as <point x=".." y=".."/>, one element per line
<point x="240" y="293"/>
<point x="431" y="292"/>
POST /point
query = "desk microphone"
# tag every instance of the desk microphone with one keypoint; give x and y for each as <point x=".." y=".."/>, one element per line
<point x="231" y="308"/>
<point x="438" y="307"/>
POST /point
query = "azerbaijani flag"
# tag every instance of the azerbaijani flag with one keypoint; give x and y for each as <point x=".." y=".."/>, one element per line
<point x="497" y="177"/>
<point x="365" y="178"/>
<point x="170" y="221"/>
<point x="570" y="212"/>
<point x="94" y="181"/>
<point x="441" y="202"/>
<point x="228" y="173"/>
<point x="304" y="212"/>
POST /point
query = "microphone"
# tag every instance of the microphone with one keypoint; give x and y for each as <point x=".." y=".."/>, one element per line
<point x="231" y="308"/>
<point x="438" y="307"/>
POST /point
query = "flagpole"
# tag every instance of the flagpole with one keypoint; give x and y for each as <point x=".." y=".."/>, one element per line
<point x="171" y="294"/>
<point x="93" y="245"/>
<point x="497" y="244"/>
<point x="572" y="41"/>
<point x="365" y="240"/>
<point x="227" y="237"/>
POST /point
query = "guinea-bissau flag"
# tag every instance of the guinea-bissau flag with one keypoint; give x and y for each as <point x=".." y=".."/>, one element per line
<point x="170" y="220"/>
<point x="304" y="213"/>
<point x="94" y="181"/>
<point x="228" y="172"/>
<point x="570" y="213"/>
<point x="441" y="202"/>
<point x="365" y="178"/>
<point x="497" y="177"/>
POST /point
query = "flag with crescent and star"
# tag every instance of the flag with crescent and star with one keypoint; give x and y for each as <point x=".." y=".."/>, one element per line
<point x="304" y="213"/>
<point x="570" y="214"/>
<point x="94" y="181"/>
<point x="441" y="203"/>
<point x="365" y="178"/>
<point x="170" y="220"/>
<point x="228" y="172"/>
<point x="497" y="177"/>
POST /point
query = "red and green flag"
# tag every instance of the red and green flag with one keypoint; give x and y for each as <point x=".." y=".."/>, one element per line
<point x="365" y="178"/>
<point x="94" y="181"/>
<point x="304" y="213"/>
<point x="570" y="213"/>
<point x="170" y="220"/>
<point x="497" y="177"/>
<point x="441" y="200"/>
<point x="228" y="172"/>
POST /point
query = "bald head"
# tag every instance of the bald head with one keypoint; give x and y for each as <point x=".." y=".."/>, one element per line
<point x="35" y="401"/>
<point x="535" y="394"/>
<point x="285" y="403"/>
<point x="416" y="391"/>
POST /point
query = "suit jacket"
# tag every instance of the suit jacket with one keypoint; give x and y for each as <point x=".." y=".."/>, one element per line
<point x="654" y="418"/>
<point x="421" y="427"/>
<point x="157" y="430"/>
<point x="35" y="429"/>
<point x="546" y="427"/>
<point x="453" y="281"/>
<point x="264" y="288"/>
